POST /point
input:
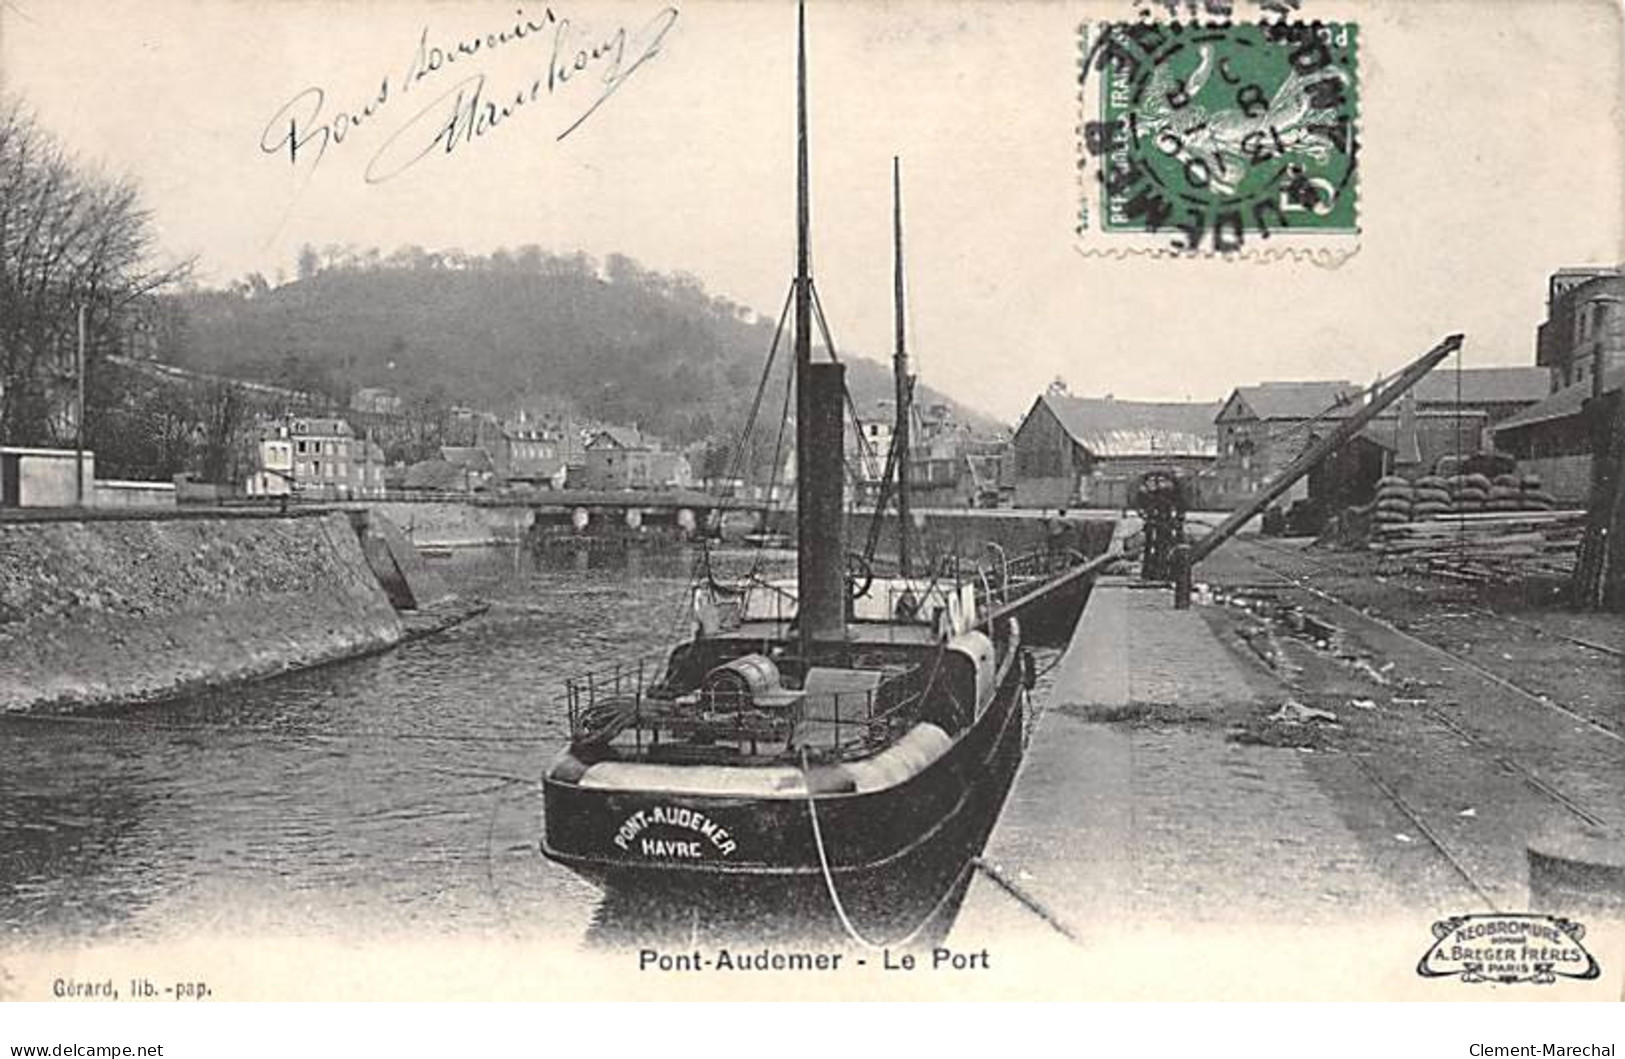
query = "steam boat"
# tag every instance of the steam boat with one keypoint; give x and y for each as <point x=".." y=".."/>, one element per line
<point x="839" y="730"/>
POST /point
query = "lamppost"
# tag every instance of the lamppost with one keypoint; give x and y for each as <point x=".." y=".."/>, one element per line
<point x="79" y="417"/>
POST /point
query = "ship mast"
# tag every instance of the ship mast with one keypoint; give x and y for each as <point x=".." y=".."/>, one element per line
<point x="803" y="320"/>
<point x="900" y="375"/>
<point x="820" y="427"/>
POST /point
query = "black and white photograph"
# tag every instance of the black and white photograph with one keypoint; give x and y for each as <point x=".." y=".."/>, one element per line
<point x="578" y="500"/>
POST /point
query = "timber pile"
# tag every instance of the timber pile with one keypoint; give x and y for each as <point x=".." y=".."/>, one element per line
<point x="1486" y="545"/>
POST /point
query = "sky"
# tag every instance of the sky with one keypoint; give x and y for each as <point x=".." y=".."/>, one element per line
<point x="1491" y="138"/>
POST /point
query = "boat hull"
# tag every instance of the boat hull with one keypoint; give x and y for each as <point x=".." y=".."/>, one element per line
<point x="1049" y="618"/>
<point x="895" y="856"/>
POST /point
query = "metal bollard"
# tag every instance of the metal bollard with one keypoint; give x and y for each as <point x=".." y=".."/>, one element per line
<point x="1580" y="871"/>
<point x="1182" y="576"/>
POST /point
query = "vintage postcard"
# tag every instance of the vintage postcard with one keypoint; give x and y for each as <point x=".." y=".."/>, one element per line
<point x="981" y="499"/>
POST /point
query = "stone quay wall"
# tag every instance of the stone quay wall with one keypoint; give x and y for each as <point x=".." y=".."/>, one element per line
<point x="121" y="611"/>
<point x="449" y="524"/>
<point x="966" y="532"/>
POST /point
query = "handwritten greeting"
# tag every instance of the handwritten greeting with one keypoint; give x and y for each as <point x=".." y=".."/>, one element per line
<point x="579" y="72"/>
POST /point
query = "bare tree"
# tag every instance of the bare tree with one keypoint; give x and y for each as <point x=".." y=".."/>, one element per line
<point x="69" y="237"/>
<point x="223" y="415"/>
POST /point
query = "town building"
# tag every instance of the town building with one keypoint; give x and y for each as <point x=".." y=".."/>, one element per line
<point x="1584" y="330"/>
<point x="273" y="475"/>
<point x="988" y="482"/>
<point x="313" y="458"/>
<point x="868" y="444"/>
<point x="1261" y="429"/>
<point x="938" y="444"/>
<point x="1557" y="438"/>
<point x="1407" y="439"/>
<point x="321" y="456"/>
<point x="436" y="477"/>
<point x="621" y="458"/>
<point x="525" y="451"/>
<point x="949" y="465"/>
<point x="473" y="463"/>
<point x="376" y="400"/>
<point x="367" y="471"/>
<point x="1498" y="393"/>
<point x="1582" y="343"/>
<point x="1089" y="451"/>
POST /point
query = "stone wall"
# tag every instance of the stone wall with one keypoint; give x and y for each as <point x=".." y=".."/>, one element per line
<point x="967" y="532"/>
<point x="132" y="610"/>
<point x="1568" y="478"/>
<point x="430" y="524"/>
<point x="114" y="493"/>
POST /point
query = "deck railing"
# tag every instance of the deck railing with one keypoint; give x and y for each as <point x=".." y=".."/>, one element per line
<point x="1003" y="578"/>
<point x="628" y="700"/>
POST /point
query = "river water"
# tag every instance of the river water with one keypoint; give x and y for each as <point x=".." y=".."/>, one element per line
<point x="389" y="796"/>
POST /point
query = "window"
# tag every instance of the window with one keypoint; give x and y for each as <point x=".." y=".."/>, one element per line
<point x="301" y="444"/>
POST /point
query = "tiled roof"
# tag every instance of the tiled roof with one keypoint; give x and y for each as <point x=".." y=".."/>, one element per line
<point x="1563" y="403"/>
<point x="622" y="437"/>
<point x="437" y="476"/>
<point x="1151" y="442"/>
<point x="468" y="457"/>
<point x="1485" y="385"/>
<point x="321" y="426"/>
<point x="1109" y="427"/>
<point x="1295" y="400"/>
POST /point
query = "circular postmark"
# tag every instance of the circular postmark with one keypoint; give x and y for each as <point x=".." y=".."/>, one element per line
<point x="1219" y="133"/>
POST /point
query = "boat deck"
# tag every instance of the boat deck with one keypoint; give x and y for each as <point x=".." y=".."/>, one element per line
<point x="858" y="633"/>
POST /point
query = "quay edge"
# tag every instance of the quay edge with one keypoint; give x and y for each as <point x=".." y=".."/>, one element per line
<point x="111" y="612"/>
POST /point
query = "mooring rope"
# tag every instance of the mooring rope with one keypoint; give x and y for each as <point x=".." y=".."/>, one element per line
<point x="835" y="897"/>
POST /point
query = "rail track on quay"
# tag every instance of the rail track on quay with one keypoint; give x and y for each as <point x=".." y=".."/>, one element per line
<point x="1535" y="698"/>
<point x="1489" y="865"/>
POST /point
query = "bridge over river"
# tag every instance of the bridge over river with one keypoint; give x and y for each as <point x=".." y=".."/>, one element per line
<point x="439" y="522"/>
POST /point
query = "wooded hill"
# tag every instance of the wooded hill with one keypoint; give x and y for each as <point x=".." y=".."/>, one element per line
<point x="614" y="343"/>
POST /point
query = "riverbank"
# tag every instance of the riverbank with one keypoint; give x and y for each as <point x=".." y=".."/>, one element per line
<point x="446" y="524"/>
<point x="98" y="612"/>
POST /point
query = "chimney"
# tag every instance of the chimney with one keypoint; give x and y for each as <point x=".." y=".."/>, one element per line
<point x="1609" y="336"/>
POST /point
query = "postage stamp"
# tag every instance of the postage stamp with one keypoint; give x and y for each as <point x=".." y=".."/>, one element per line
<point x="1219" y="138"/>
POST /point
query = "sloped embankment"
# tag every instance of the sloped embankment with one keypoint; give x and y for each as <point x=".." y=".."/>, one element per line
<point x="122" y="611"/>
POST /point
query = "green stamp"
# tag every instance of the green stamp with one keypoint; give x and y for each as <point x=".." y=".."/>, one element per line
<point x="1218" y="135"/>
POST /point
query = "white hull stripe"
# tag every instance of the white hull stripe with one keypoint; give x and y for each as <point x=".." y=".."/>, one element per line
<point x="898" y="763"/>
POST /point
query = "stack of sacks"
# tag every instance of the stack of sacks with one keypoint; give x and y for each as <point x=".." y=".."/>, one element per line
<point x="1431" y="498"/>
<point x="1470" y="492"/>
<point x="1534" y="497"/>
<point x="1394" y="497"/>
<point x="1506" y="494"/>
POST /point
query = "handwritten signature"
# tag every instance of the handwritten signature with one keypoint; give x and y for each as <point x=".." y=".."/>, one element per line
<point x="589" y="69"/>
